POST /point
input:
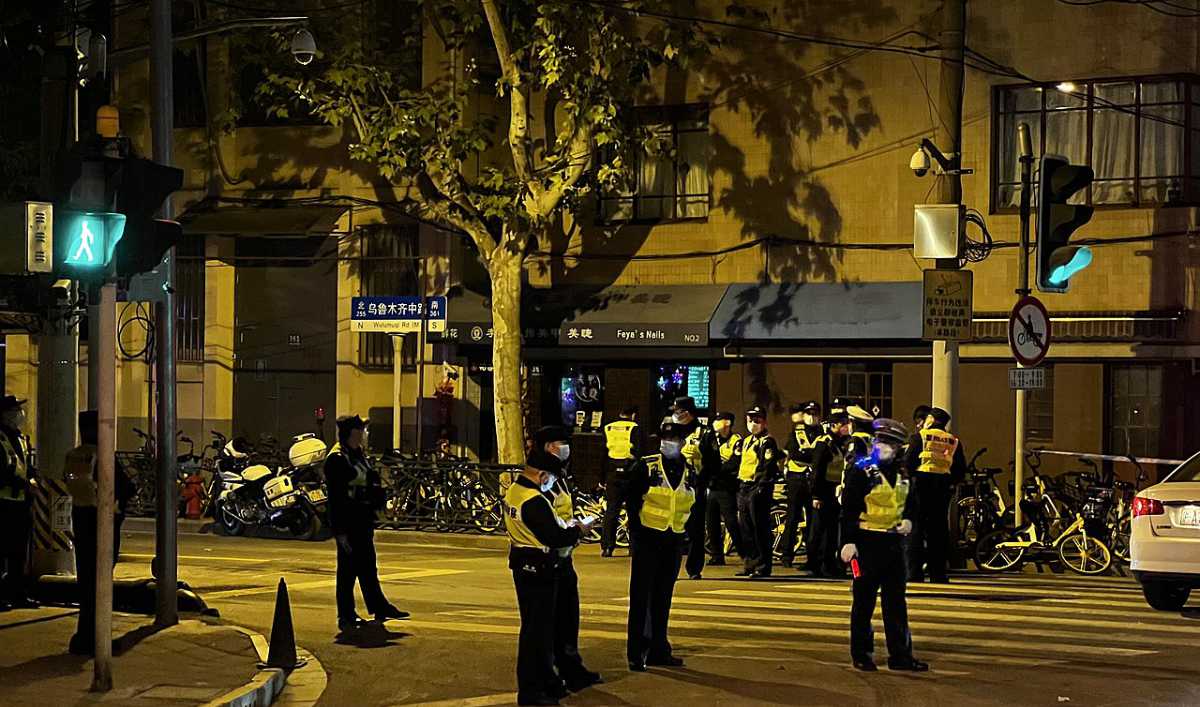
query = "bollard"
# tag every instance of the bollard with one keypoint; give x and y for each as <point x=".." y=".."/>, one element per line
<point x="282" y="653"/>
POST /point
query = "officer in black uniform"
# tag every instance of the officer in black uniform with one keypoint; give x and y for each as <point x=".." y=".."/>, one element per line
<point x="16" y="471"/>
<point x="355" y="496"/>
<point x="828" y="465"/>
<point x="877" y="513"/>
<point x="567" y="660"/>
<point x="861" y="433"/>
<point x="662" y="491"/>
<point x="623" y="439"/>
<point x="935" y="458"/>
<point x="536" y="535"/>
<point x="722" y="490"/>
<point x="806" y="430"/>
<point x="757" y="474"/>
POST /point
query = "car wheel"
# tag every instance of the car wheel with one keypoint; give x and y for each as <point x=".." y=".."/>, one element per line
<point x="1165" y="596"/>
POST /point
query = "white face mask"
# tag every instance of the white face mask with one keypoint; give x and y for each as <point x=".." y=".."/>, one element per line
<point x="722" y="426"/>
<point x="679" y="418"/>
<point x="551" y="479"/>
<point x="564" y="452"/>
<point x="885" y="452"/>
<point x="797" y="419"/>
<point x="754" y="427"/>
<point x="810" y="419"/>
<point x="670" y="448"/>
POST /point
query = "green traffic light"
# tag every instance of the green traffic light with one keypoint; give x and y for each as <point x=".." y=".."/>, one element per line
<point x="1076" y="259"/>
<point x="88" y="238"/>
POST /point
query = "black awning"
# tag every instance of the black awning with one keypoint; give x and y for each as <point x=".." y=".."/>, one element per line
<point x="820" y="312"/>
<point x="650" y="315"/>
<point x="469" y="315"/>
<point x="264" y="220"/>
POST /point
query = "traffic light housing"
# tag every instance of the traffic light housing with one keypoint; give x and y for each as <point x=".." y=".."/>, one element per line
<point x="84" y="242"/>
<point x="141" y="188"/>
<point x="1057" y="261"/>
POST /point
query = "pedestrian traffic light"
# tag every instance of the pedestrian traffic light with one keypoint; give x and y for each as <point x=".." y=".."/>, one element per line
<point x="141" y="188"/>
<point x="84" y="241"/>
<point x="1057" y="220"/>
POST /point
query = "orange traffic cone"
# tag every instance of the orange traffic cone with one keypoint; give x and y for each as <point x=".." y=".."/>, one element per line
<point x="282" y="653"/>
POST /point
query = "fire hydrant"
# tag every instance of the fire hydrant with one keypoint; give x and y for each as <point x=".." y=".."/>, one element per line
<point x="192" y="494"/>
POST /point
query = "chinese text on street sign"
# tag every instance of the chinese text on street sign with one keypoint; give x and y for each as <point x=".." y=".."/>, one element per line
<point x="1026" y="378"/>
<point x="397" y="315"/>
<point x="948" y="305"/>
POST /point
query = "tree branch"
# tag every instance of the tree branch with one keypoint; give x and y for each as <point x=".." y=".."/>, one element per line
<point x="518" y="124"/>
<point x="579" y="153"/>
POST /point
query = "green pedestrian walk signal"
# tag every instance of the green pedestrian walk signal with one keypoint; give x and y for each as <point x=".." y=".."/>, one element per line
<point x="84" y="240"/>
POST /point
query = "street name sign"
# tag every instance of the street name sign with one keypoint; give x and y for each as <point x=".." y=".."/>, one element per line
<point x="948" y="305"/>
<point x="1029" y="331"/>
<point x="397" y="314"/>
<point x="1026" y="378"/>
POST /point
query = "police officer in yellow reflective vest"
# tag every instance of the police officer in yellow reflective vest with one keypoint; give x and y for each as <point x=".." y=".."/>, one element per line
<point x="536" y="535"/>
<point x="15" y="522"/>
<point x="567" y="660"/>
<point x="623" y="440"/>
<point x="757" y="474"/>
<point x="722" y="490"/>
<point x="661" y="494"/>
<point x="702" y="453"/>
<point x="806" y="430"/>
<point x="937" y="463"/>
<point x="876" y="514"/>
<point x="829" y="465"/>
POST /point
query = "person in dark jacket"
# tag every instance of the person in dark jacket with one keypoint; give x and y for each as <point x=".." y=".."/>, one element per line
<point x="934" y="457"/>
<point x="829" y="460"/>
<point x="539" y="541"/>
<point x="16" y="472"/>
<point x="877" y="512"/>
<point x="757" y="474"/>
<point x="355" y="495"/>
<point x="702" y="453"/>
<point x="722" y="490"/>
<point x="806" y="430"/>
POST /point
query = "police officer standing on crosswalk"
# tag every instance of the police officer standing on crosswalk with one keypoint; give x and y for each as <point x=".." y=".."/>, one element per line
<point x="623" y="442"/>
<point x="536" y="535"/>
<point x="806" y="430"/>
<point x="722" y="491"/>
<point x="877" y="512"/>
<point x="702" y="453"/>
<point x="553" y="440"/>
<point x="662" y="491"/>
<point x="936" y="459"/>
<point x="757" y="474"/>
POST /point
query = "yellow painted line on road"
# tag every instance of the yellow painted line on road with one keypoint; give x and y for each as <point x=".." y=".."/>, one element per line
<point x="842" y="633"/>
<point x="500" y="698"/>
<point x="939" y="673"/>
<point x="221" y="558"/>
<point x="992" y="614"/>
<point x="414" y="573"/>
<point x="818" y="590"/>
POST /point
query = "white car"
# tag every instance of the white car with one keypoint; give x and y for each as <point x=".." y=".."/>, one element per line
<point x="1165" y="538"/>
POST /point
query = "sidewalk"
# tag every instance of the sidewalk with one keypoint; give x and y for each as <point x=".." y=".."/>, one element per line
<point x="192" y="663"/>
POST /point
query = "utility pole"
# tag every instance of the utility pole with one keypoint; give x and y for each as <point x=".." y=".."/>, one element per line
<point x="948" y="136"/>
<point x="106" y="450"/>
<point x="163" y="130"/>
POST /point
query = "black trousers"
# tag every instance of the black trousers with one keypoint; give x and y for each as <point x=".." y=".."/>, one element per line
<point x="83" y="524"/>
<point x="823" y="545"/>
<point x="615" y="487"/>
<point x="754" y="515"/>
<point x="358" y="564"/>
<point x="695" y="533"/>
<point x="930" y="540"/>
<point x="566" y="624"/>
<point x="653" y="569"/>
<point x="881" y="562"/>
<point x="15" y="527"/>
<point x="537" y="591"/>
<point x="799" y="502"/>
<point x="722" y="505"/>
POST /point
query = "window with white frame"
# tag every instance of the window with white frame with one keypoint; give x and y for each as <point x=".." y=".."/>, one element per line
<point x="672" y="178"/>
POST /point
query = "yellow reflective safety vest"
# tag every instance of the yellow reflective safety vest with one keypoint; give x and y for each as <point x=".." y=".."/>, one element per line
<point x="731" y="447"/>
<point x="79" y="473"/>
<point x="360" y="465"/>
<point x="665" y="507"/>
<point x="691" y="449"/>
<point x="805" y="443"/>
<point x="17" y="460"/>
<point x="519" y="534"/>
<point x="937" y="451"/>
<point x="751" y="449"/>
<point x="564" y="508"/>
<point x="618" y="437"/>
<point x="885" y="504"/>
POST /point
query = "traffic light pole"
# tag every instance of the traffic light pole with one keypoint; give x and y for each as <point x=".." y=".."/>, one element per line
<point x="1026" y="157"/>
<point x="948" y="133"/>
<point x="166" y="507"/>
<point x="106" y="450"/>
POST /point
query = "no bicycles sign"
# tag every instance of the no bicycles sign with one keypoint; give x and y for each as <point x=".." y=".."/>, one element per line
<point x="1029" y="331"/>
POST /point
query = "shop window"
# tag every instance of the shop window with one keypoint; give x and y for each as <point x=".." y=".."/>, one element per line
<point x="678" y="381"/>
<point x="1039" y="410"/>
<point x="189" y="298"/>
<point x="672" y="180"/>
<point x="581" y="392"/>
<point x="387" y="266"/>
<point x="1138" y="135"/>
<point x="1135" y="409"/>
<point x="869" y="384"/>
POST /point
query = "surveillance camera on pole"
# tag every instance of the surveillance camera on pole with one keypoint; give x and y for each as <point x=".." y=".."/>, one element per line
<point x="304" y="47"/>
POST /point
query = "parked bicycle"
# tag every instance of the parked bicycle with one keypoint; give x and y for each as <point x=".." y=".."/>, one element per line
<point x="982" y="511"/>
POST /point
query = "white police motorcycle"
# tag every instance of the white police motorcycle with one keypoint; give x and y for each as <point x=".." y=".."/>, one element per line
<point x="259" y="497"/>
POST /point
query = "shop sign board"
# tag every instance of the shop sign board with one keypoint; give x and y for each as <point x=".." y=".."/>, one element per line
<point x="640" y="334"/>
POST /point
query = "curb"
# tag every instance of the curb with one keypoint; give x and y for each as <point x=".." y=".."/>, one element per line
<point x="265" y="687"/>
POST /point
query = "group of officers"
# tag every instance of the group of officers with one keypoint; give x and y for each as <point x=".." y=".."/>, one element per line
<point x="876" y="499"/>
